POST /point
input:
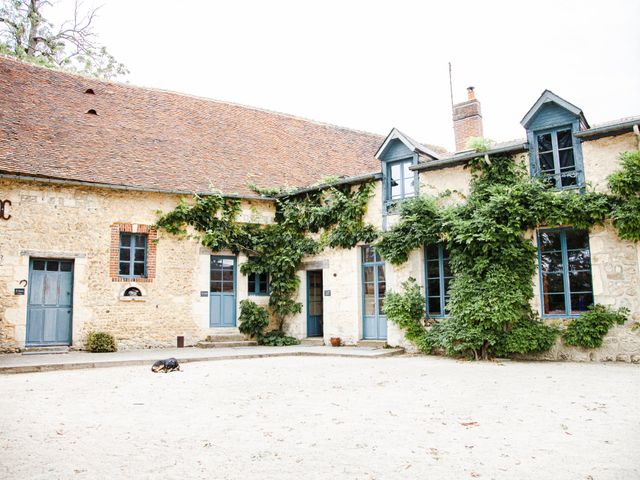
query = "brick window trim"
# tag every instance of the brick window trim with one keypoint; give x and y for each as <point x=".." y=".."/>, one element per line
<point x="114" y="251"/>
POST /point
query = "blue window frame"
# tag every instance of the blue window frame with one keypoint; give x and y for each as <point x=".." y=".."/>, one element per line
<point x="401" y="182"/>
<point x="566" y="284"/>
<point x="259" y="283"/>
<point x="132" y="256"/>
<point x="558" y="157"/>
<point x="438" y="277"/>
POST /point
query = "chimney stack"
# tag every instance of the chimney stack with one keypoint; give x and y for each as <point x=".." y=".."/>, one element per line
<point x="467" y="120"/>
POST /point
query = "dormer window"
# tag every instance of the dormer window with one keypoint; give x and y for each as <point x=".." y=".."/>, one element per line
<point x="556" y="159"/>
<point x="555" y="153"/>
<point x="401" y="181"/>
<point x="397" y="155"/>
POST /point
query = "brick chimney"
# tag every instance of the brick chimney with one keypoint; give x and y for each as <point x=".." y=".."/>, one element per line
<point x="467" y="120"/>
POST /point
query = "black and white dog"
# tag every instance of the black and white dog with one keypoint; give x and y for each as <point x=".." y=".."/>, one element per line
<point x="168" y="365"/>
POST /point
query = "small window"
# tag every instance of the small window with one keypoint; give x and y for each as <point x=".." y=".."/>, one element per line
<point x="438" y="276"/>
<point x="556" y="158"/>
<point x="132" y="261"/>
<point x="92" y="112"/>
<point x="89" y="91"/>
<point x="259" y="283"/>
<point x="565" y="272"/>
<point x="132" y="292"/>
<point x="401" y="182"/>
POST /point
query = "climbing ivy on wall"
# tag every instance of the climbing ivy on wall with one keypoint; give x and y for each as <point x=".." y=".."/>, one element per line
<point x="304" y="225"/>
<point x="492" y="256"/>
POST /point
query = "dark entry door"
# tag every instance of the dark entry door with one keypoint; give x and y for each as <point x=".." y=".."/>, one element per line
<point x="222" y="296"/>
<point x="314" y="304"/>
<point x="50" y="302"/>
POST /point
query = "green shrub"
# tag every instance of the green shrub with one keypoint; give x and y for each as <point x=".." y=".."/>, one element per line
<point x="528" y="335"/>
<point x="277" y="338"/>
<point x="100" y="342"/>
<point x="253" y="319"/>
<point x="406" y="310"/>
<point x="589" y="329"/>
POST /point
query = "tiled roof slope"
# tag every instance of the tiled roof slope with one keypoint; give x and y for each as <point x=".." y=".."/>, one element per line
<point x="153" y="139"/>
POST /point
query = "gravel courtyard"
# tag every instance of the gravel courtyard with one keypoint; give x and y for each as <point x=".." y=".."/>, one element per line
<point x="317" y="418"/>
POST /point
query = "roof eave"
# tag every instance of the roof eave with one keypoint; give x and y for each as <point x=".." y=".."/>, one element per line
<point x="461" y="159"/>
<point x="609" y="130"/>
<point x="135" y="188"/>
<point x="345" y="181"/>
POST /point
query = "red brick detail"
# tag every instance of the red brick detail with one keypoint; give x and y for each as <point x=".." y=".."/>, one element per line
<point x="152" y="237"/>
<point x="467" y="122"/>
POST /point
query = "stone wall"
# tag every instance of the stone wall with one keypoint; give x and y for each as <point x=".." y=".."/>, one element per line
<point x="55" y="221"/>
<point x="75" y="222"/>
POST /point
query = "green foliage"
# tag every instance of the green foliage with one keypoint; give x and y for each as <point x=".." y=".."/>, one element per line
<point x="253" y="319"/>
<point x="100" y="342"/>
<point x="337" y="214"/>
<point x="406" y="309"/>
<point x="625" y="186"/>
<point x="528" y="336"/>
<point x="420" y="222"/>
<point x="277" y="338"/>
<point x="492" y="259"/>
<point x="589" y="329"/>
<point x="479" y="144"/>
<point x="626" y="181"/>
<point x="25" y="33"/>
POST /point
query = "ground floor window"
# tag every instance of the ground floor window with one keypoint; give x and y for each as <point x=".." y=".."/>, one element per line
<point x="133" y="255"/>
<point x="438" y="277"/>
<point x="258" y="283"/>
<point x="565" y="271"/>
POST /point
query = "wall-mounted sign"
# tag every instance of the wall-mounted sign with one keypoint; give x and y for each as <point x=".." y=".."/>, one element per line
<point x="327" y="293"/>
<point x="18" y="291"/>
<point x="204" y="293"/>
<point x="4" y="209"/>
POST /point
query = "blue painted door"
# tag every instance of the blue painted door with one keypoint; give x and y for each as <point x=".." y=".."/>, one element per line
<point x="50" y="302"/>
<point x="314" y="304"/>
<point x="374" y="322"/>
<point x="222" y="292"/>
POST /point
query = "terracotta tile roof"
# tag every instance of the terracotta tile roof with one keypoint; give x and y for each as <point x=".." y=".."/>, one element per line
<point x="154" y="139"/>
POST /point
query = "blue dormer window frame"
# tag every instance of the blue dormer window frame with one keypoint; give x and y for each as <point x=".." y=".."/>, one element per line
<point x="556" y="155"/>
<point x="404" y="185"/>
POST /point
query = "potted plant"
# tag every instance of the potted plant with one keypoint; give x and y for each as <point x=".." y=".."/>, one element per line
<point x="336" y="341"/>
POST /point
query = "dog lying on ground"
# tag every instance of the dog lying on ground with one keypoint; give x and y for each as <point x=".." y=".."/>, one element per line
<point x="168" y="365"/>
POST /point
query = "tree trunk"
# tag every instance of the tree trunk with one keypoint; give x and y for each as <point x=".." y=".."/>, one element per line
<point x="34" y="21"/>
<point x="485" y="351"/>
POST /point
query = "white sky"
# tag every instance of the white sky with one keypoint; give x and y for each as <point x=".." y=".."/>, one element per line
<point x="373" y="65"/>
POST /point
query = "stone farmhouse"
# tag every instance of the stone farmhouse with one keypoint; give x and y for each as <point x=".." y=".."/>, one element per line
<point x="85" y="166"/>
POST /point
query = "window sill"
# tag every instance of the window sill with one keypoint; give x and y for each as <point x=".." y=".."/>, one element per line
<point x="258" y="294"/>
<point x="125" y="298"/>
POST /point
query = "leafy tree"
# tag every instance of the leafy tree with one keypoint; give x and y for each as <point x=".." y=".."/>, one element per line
<point x="26" y="33"/>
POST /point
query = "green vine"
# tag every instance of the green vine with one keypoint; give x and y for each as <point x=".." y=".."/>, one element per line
<point x="589" y="329"/>
<point x="492" y="258"/>
<point x="335" y="214"/>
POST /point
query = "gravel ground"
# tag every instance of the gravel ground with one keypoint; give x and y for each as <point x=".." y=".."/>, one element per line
<point x="317" y="418"/>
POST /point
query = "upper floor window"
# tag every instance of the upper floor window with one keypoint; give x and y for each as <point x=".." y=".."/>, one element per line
<point x="438" y="278"/>
<point x="132" y="258"/>
<point x="556" y="157"/>
<point x="401" y="182"/>
<point x="259" y="283"/>
<point x="565" y="271"/>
